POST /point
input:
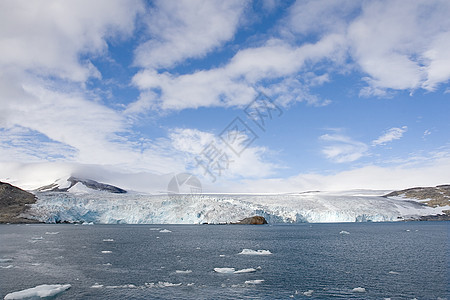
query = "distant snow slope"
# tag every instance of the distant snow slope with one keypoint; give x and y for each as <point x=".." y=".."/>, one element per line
<point x="107" y="208"/>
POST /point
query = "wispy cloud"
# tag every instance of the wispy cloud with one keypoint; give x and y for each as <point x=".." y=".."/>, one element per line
<point x="342" y="149"/>
<point x="394" y="133"/>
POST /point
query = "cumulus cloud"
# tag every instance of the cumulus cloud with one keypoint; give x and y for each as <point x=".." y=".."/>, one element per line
<point x="187" y="29"/>
<point x="394" y="133"/>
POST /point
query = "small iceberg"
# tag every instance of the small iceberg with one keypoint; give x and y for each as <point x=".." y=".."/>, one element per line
<point x="165" y="231"/>
<point x="308" y="293"/>
<point x="155" y="229"/>
<point x="256" y="281"/>
<point x="52" y="232"/>
<point x="248" y="270"/>
<point x="255" y="252"/>
<point x="225" y="270"/>
<point x="7" y="267"/>
<point x="359" y="290"/>
<point x="87" y="223"/>
<point x="106" y="251"/>
<point x="108" y="240"/>
<point x="161" y="284"/>
<point x="393" y="272"/>
<point x="183" y="271"/>
<point x="40" y="291"/>
<point x="344" y="232"/>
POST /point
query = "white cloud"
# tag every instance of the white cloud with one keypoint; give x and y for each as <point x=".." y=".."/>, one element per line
<point x="48" y="37"/>
<point x="233" y="84"/>
<point x="394" y="133"/>
<point x="401" y="45"/>
<point x="187" y="29"/>
<point x="198" y="146"/>
<point x="342" y="149"/>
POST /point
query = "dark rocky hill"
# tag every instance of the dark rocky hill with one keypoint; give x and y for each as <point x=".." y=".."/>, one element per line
<point x="431" y="196"/>
<point x="13" y="202"/>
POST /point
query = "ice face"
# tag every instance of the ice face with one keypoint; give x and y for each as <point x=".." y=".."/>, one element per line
<point x="107" y="208"/>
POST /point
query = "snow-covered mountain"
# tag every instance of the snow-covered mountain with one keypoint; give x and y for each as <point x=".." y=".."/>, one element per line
<point x="135" y="208"/>
<point x="80" y="185"/>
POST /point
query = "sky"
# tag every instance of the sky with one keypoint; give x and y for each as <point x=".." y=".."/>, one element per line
<point x="248" y="96"/>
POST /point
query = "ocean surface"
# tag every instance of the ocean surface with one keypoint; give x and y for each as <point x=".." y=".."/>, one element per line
<point x="403" y="260"/>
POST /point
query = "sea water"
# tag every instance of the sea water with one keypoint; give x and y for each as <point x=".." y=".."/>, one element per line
<point x="402" y="260"/>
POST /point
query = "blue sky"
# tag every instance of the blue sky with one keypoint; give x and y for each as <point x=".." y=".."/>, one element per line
<point x="359" y="92"/>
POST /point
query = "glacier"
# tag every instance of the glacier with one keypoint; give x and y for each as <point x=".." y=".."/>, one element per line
<point x="136" y="208"/>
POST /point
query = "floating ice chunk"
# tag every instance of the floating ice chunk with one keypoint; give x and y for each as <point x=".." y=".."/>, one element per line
<point x="108" y="264"/>
<point x="165" y="231"/>
<point x="256" y="281"/>
<point x="222" y="255"/>
<point x="40" y="291"/>
<point x="106" y="251"/>
<point x="154" y="229"/>
<point x="393" y="272"/>
<point x="96" y="286"/>
<point x="108" y="240"/>
<point x="36" y="264"/>
<point x="161" y="284"/>
<point x="359" y="290"/>
<point x="87" y="223"/>
<point x="190" y="284"/>
<point x="225" y="270"/>
<point x="258" y="268"/>
<point x="248" y="270"/>
<point x="255" y="252"/>
<point x="407" y="230"/>
<point x="7" y="267"/>
<point x="4" y="260"/>
<point x="123" y="286"/>
<point x="344" y="232"/>
<point x="183" y="271"/>
<point x="308" y="293"/>
<point x="52" y="232"/>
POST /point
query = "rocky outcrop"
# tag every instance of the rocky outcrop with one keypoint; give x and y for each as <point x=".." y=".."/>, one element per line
<point x="431" y="196"/>
<point x="13" y="202"/>
<point x="255" y="220"/>
<point x="92" y="184"/>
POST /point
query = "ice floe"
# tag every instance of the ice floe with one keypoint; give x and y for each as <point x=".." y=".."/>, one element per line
<point x="165" y="231"/>
<point x="308" y="293"/>
<point x="344" y="232"/>
<point x="154" y="229"/>
<point x="161" y="284"/>
<point x="359" y="290"/>
<point x="256" y="281"/>
<point x="52" y="232"/>
<point x="225" y="270"/>
<point x="255" y="252"/>
<point x="183" y="271"/>
<point x="248" y="270"/>
<point x="7" y="267"/>
<point x="393" y="272"/>
<point x="108" y="240"/>
<point x="106" y="251"/>
<point x="40" y="291"/>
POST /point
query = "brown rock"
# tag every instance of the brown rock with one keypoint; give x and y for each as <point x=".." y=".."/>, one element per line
<point x="255" y="220"/>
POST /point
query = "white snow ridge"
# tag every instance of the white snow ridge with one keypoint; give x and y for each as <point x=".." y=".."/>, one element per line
<point x="40" y="291"/>
<point x="255" y="252"/>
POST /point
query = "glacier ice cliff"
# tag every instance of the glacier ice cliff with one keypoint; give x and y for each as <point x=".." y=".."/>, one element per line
<point x="134" y="208"/>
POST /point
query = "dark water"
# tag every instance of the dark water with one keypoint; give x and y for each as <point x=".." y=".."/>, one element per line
<point x="390" y="260"/>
